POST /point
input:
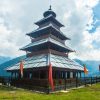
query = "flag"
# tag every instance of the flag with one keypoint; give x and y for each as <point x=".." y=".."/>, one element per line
<point x="85" y="70"/>
<point x="21" y="68"/>
<point x="50" y="78"/>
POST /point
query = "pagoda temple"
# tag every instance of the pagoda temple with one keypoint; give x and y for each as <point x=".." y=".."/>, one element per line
<point x="47" y="46"/>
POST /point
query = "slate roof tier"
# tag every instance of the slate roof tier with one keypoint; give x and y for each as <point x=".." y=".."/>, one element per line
<point x="49" y="18"/>
<point x="50" y="29"/>
<point x="38" y="61"/>
<point x="45" y="43"/>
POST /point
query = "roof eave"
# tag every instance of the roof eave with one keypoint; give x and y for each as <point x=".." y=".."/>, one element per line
<point x="41" y="21"/>
<point x="29" y="34"/>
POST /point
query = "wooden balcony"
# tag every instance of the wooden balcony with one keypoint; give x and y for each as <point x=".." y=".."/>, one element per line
<point x="47" y="51"/>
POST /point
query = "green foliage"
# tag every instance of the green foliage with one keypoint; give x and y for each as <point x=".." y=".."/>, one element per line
<point x="86" y="93"/>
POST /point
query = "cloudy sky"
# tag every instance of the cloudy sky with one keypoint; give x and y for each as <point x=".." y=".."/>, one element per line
<point x="80" y="17"/>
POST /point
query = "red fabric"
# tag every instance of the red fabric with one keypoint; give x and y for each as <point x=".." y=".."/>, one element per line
<point x="85" y="70"/>
<point x="60" y="82"/>
<point x="21" y="68"/>
<point x="50" y="78"/>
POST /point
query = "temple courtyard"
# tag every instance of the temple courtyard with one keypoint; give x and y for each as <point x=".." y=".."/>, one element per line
<point x="83" y="93"/>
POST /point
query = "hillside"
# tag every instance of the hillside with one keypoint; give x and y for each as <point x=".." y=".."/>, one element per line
<point x="92" y="66"/>
<point x="8" y="64"/>
<point x="4" y="59"/>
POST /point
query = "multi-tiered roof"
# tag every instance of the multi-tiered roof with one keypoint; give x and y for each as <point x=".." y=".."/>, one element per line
<point x="48" y="45"/>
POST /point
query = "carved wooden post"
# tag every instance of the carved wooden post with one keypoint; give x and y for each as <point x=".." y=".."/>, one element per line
<point x="76" y="82"/>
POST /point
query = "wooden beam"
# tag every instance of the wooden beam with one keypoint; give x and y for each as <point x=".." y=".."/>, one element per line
<point x="46" y="51"/>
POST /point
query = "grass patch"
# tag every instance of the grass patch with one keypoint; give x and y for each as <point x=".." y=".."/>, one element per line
<point x="86" y="93"/>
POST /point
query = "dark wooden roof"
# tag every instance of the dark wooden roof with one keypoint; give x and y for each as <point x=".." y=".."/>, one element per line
<point x="47" y="19"/>
<point x="47" y="30"/>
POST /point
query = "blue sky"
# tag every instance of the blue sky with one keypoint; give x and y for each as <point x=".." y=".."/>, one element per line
<point x="96" y="18"/>
<point x="81" y="19"/>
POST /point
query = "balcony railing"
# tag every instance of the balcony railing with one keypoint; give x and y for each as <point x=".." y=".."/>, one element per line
<point x="42" y="84"/>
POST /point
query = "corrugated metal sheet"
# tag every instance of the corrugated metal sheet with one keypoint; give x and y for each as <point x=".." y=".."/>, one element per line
<point x="42" y="60"/>
<point x="49" y="39"/>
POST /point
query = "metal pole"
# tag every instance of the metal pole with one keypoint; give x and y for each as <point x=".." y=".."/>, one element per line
<point x="65" y="80"/>
<point x="84" y="79"/>
<point x="76" y="82"/>
<point x="91" y="80"/>
<point x="96" y="79"/>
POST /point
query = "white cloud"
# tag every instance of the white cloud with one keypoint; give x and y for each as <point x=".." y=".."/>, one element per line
<point x="76" y="21"/>
<point x="96" y="35"/>
<point x="10" y="41"/>
<point x="17" y="18"/>
<point x="86" y="50"/>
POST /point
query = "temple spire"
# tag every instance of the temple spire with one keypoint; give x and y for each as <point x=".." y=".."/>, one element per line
<point x="49" y="11"/>
<point x="50" y="7"/>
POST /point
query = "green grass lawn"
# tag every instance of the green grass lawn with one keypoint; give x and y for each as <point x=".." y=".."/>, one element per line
<point x="86" y="93"/>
